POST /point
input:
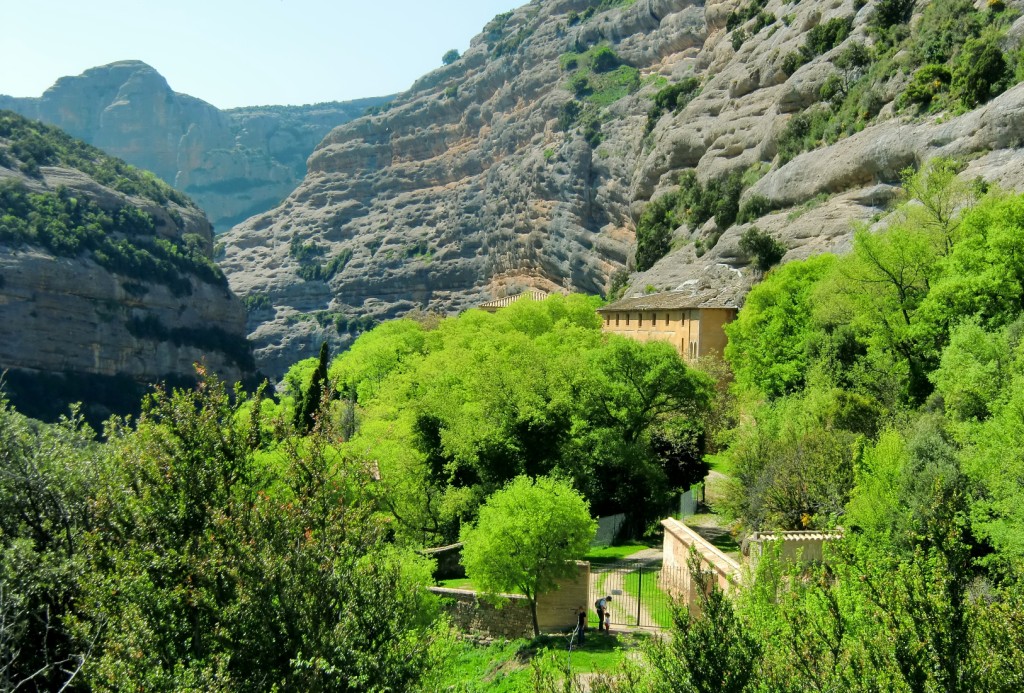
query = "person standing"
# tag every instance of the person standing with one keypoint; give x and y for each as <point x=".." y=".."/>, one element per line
<point x="581" y="624"/>
<point x="602" y="613"/>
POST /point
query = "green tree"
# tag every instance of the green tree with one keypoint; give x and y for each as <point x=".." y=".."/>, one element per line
<point x="313" y="397"/>
<point x="450" y="57"/>
<point x="708" y="652"/>
<point x="527" y="536"/>
<point x="770" y="341"/>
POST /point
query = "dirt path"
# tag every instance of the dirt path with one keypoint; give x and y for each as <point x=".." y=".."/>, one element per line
<point x="610" y="579"/>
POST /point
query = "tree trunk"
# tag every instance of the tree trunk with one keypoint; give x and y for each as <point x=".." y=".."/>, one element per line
<point x="533" y="613"/>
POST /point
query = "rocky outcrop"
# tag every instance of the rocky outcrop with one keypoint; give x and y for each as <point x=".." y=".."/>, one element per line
<point x="80" y="326"/>
<point x="233" y="163"/>
<point x="482" y="179"/>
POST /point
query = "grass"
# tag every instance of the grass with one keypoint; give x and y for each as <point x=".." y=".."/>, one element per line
<point x="505" y="666"/>
<point x="723" y="541"/>
<point x="457" y="584"/>
<point x="655" y="602"/>
<point x="496" y="667"/>
<point x="610" y="554"/>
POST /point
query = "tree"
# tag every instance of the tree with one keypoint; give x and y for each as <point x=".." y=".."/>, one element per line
<point x="312" y="398"/>
<point x="450" y="57"/>
<point x="769" y="342"/>
<point x="980" y="72"/>
<point x="527" y="537"/>
<point x="710" y="652"/>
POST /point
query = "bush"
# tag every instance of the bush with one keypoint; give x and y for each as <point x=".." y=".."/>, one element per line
<point x="654" y="231"/>
<point x="755" y="208"/>
<point x="890" y="12"/>
<point x="981" y="72"/>
<point x="672" y="98"/>
<point x="603" y="59"/>
<point x="927" y="83"/>
<point x="765" y="250"/>
<point x="450" y="57"/>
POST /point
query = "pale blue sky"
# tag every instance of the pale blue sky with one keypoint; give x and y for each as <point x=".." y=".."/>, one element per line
<point x="242" y="52"/>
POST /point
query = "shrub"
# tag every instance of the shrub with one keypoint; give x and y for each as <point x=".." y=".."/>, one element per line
<point x="980" y="73"/>
<point x="755" y="208"/>
<point x="450" y="57"/>
<point x="890" y="12"/>
<point x="927" y="83"/>
<point x="654" y="231"/>
<point x="765" y="250"/>
<point x="603" y="59"/>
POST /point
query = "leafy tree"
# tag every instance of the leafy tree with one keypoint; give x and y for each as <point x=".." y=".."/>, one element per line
<point x="48" y="476"/>
<point x="527" y="536"/>
<point x="450" y="56"/>
<point x="769" y="343"/>
<point x="312" y="399"/>
<point x="216" y="565"/>
<point x="711" y="651"/>
<point x="654" y="232"/>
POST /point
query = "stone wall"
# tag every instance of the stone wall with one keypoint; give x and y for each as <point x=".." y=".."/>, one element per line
<point x="470" y="614"/>
<point x="680" y="543"/>
<point x="793" y="547"/>
<point x="449" y="561"/>
<point x="555" y="610"/>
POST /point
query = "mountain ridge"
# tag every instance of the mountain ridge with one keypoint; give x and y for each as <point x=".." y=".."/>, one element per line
<point x="235" y="162"/>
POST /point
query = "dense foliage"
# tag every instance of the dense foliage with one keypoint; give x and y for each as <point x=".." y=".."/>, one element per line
<point x="451" y="414"/>
<point x="195" y="552"/>
<point x="123" y="240"/>
<point x="33" y="144"/>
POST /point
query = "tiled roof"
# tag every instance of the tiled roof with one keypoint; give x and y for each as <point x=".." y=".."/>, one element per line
<point x="535" y="294"/>
<point x="798" y="535"/>
<point x="668" y="300"/>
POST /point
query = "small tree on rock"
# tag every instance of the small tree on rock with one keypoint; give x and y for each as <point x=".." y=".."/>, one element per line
<point x="450" y="57"/>
<point x="526" y="538"/>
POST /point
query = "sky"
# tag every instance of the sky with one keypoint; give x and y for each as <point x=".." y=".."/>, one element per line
<point x="242" y="52"/>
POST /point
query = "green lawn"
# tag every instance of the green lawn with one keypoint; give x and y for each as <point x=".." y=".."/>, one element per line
<point x="655" y="602"/>
<point x="610" y="554"/>
<point x="457" y="584"/>
<point x="505" y="666"/>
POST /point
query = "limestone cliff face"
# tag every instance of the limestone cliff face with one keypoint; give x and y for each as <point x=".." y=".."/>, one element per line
<point x="123" y="309"/>
<point x="233" y="163"/>
<point x="482" y="179"/>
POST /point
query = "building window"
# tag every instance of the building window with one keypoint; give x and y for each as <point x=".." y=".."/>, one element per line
<point x="666" y="319"/>
<point x="693" y="351"/>
<point x="627" y="319"/>
<point x="641" y="319"/>
<point x="616" y="319"/>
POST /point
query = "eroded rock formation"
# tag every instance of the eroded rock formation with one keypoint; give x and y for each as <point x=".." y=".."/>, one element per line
<point x="482" y="179"/>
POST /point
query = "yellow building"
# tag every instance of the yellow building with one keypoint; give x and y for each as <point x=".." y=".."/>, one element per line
<point x="693" y="326"/>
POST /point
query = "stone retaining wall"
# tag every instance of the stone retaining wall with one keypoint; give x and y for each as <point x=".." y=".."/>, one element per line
<point x="556" y="611"/>
<point x="680" y="543"/>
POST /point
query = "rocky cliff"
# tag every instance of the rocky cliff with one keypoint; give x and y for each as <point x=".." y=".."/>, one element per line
<point x="534" y="158"/>
<point x="233" y="163"/>
<point x="106" y="281"/>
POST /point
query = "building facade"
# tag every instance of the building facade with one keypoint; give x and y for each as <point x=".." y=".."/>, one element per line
<point x="694" y="327"/>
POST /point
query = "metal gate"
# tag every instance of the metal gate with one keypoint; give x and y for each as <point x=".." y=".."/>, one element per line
<point x="639" y="592"/>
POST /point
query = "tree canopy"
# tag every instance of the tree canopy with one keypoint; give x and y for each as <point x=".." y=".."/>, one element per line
<point x="527" y="536"/>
